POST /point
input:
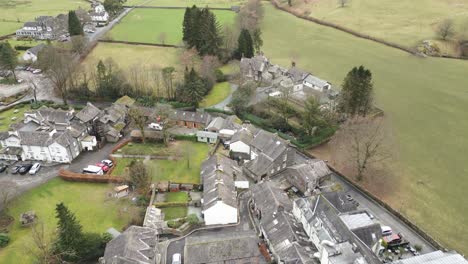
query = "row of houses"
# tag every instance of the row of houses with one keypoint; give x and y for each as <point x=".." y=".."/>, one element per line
<point x="52" y="28"/>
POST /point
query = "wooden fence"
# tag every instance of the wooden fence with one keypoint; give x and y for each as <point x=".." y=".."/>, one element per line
<point x="78" y="177"/>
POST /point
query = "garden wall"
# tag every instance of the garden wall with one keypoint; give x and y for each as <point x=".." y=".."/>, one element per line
<point x="78" y="177"/>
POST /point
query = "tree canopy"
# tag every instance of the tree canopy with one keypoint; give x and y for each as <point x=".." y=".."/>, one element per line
<point x="74" y="25"/>
<point x="8" y="58"/>
<point x="245" y="44"/>
<point x="356" y="96"/>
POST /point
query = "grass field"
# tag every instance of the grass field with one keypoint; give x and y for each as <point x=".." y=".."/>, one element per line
<point x="174" y="212"/>
<point x="87" y="201"/>
<point x="400" y="21"/>
<point x="146" y="25"/>
<point x="219" y="92"/>
<point x="199" y="3"/>
<point x="425" y="100"/>
<point x="6" y="117"/>
<point x="13" y="13"/>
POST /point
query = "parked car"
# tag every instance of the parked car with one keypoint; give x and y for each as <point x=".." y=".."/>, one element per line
<point x="109" y="163"/>
<point x="25" y="168"/>
<point x="176" y="259"/>
<point x="3" y="167"/>
<point x="349" y="197"/>
<point x="35" y="168"/>
<point x="156" y="126"/>
<point x="37" y="71"/>
<point x="103" y="166"/>
<point x="386" y="230"/>
<point x="15" y="169"/>
<point x="91" y="169"/>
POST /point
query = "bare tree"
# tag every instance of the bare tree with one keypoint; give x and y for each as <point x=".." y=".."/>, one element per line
<point x="445" y="29"/>
<point x="156" y="75"/>
<point x="208" y="67"/>
<point x="164" y="114"/>
<point x="78" y="44"/>
<point x="343" y="3"/>
<point x="138" y="120"/>
<point x="189" y="57"/>
<point x="361" y="143"/>
<point x="250" y="15"/>
<point x="42" y="246"/>
<point x="231" y="34"/>
<point x="8" y="190"/>
<point x="162" y="37"/>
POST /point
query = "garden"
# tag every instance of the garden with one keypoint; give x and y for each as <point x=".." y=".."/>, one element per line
<point x="13" y="115"/>
<point x="218" y="93"/>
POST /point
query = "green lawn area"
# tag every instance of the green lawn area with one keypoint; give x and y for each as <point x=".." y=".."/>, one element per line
<point x="199" y="3"/>
<point x="177" y="197"/>
<point x="425" y="101"/>
<point x="219" y="92"/>
<point x="6" y="116"/>
<point x="174" y="212"/>
<point x="13" y="13"/>
<point x="146" y="25"/>
<point x="230" y="68"/>
<point x="88" y="201"/>
<point x="400" y="21"/>
<point x="155" y="149"/>
<point x="122" y="163"/>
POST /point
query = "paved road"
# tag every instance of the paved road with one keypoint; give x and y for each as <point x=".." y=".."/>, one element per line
<point x="177" y="245"/>
<point x="384" y="216"/>
<point x="228" y="99"/>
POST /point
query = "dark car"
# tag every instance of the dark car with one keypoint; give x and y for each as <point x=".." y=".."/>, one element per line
<point x="15" y="169"/>
<point x="3" y="167"/>
<point x="25" y="168"/>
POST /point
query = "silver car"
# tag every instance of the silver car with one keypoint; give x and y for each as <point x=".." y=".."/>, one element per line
<point x="35" y="168"/>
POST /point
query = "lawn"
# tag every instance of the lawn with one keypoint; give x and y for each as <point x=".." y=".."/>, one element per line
<point x="174" y="212"/>
<point x="179" y="171"/>
<point x="177" y="197"/>
<point x="154" y="149"/>
<point x="88" y="201"/>
<point x="425" y="100"/>
<point x="219" y="92"/>
<point x="400" y="21"/>
<point x="231" y="68"/>
<point x="6" y="116"/>
<point x="13" y="13"/>
<point x="146" y="25"/>
<point x="199" y="3"/>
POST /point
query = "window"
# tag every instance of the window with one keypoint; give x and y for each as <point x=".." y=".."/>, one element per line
<point x="285" y="157"/>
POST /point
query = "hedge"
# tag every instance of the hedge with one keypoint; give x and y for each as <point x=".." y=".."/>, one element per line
<point x="186" y="137"/>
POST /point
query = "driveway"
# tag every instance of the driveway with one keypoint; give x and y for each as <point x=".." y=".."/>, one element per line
<point x="225" y="102"/>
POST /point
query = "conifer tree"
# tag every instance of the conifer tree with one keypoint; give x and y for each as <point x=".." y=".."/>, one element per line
<point x="69" y="233"/>
<point x="245" y="44"/>
<point x="186" y="25"/>
<point x="357" y="92"/>
<point x="74" y="24"/>
<point x="8" y="58"/>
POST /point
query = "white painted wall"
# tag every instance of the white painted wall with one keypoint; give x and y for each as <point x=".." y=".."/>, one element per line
<point x="28" y="56"/>
<point x="220" y="214"/>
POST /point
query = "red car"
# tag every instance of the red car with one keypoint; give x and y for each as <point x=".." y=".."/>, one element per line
<point x="103" y="166"/>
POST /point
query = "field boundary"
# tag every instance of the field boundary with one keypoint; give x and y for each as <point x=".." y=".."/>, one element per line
<point x="436" y="244"/>
<point x="7" y="36"/>
<point x="78" y="177"/>
<point x="181" y="7"/>
<point x="140" y="43"/>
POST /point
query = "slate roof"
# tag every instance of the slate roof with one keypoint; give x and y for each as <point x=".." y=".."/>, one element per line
<point x="115" y="113"/>
<point x="196" y="117"/>
<point x="258" y="63"/>
<point x="270" y="144"/>
<point x="216" y="124"/>
<point x="4" y="135"/>
<point x="233" y="247"/>
<point x="217" y="174"/>
<point x="316" y="81"/>
<point x="88" y="113"/>
<point x="243" y="135"/>
<point x="285" y="235"/>
<point x="43" y="139"/>
<point x="36" y="49"/>
<point x="230" y="123"/>
<point x="306" y="176"/>
<point x="135" y="245"/>
<point x="51" y="116"/>
<point x="436" y="257"/>
<point x="297" y="74"/>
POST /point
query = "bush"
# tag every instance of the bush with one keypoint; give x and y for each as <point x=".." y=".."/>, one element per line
<point x="175" y="223"/>
<point x="220" y="77"/>
<point x="418" y="247"/>
<point x="192" y="219"/>
<point x="92" y="247"/>
<point x="142" y="201"/>
<point x="186" y="137"/>
<point x="4" y="240"/>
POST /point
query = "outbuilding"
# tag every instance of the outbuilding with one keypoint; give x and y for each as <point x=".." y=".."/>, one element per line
<point x="207" y="137"/>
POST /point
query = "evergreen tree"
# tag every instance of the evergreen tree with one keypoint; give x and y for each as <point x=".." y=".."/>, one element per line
<point x="245" y="45"/>
<point x="210" y="35"/>
<point x="8" y="58"/>
<point x="193" y="89"/>
<point x="357" y="92"/>
<point x="69" y="233"/>
<point x="74" y="24"/>
<point x="186" y="25"/>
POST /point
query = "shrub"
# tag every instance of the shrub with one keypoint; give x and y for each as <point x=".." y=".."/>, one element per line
<point x="192" y="219"/>
<point x="142" y="201"/>
<point x="4" y="240"/>
<point x="186" y="137"/>
<point x="220" y="77"/>
<point x="418" y="247"/>
<point x="175" y="223"/>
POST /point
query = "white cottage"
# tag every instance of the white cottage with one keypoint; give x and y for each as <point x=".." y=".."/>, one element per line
<point x="31" y="54"/>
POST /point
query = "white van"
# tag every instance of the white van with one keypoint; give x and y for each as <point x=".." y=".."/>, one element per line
<point x="91" y="169"/>
<point x="156" y="126"/>
<point x="176" y="259"/>
<point x="386" y="230"/>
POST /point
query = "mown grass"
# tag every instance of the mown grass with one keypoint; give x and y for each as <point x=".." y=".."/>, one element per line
<point x="155" y="149"/>
<point x="219" y="92"/>
<point x="88" y="201"/>
<point x="425" y="101"/>
<point x="399" y="21"/>
<point x="199" y="3"/>
<point x="176" y="197"/>
<point x="146" y="25"/>
<point x="6" y="116"/>
<point x="174" y="212"/>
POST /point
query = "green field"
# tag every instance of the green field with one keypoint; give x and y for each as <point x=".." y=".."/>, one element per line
<point x="95" y="212"/>
<point x="13" y="13"/>
<point x="199" y="3"/>
<point x="6" y="116"/>
<point x="425" y="100"/>
<point x="219" y="92"/>
<point x="146" y="25"/>
<point x="399" y="21"/>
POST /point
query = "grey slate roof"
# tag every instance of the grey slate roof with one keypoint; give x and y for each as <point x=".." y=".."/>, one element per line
<point x="233" y="247"/>
<point x="114" y="114"/>
<point x="306" y="176"/>
<point x="229" y="123"/>
<point x="297" y="74"/>
<point x="135" y="245"/>
<point x="197" y="117"/>
<point x="216" y="124"/>
<point x="244" y="135"/>
<point x="88" y="113"/>
<point x="36" y="49"/>
<point x="4" y="135"/>
<point x="217" y="174"/>
<point x="316" y="81"/>
<point x="270" y="144"/>
<point x="43" y="139"/>
<point x="51" y="116"/>
<point x="436" y="257"/>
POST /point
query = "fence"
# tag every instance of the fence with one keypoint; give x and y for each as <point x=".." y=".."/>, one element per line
<point x="78" y="177"/>
<point x="182" y="7"/>
<point x="140" y="43"/>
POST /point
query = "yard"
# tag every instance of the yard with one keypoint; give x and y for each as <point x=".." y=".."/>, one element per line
<point x="174" y="212"/>
<point x="6" y="117"/>
<point x="219" y="92"/>
<point x="400" y="21"/>
<point x="176" y="197"/>
<point x="154" y="149"/>
<point x="199" y="3"/>
<point x="95" y="212"/>
<point x="14" y="13"/>
<point x="184" y="170"/>
<point x="147" y="25"/>
<point x="425" y="100"/>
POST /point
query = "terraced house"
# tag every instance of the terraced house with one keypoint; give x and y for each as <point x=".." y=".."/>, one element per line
<point x="44" y="27"/>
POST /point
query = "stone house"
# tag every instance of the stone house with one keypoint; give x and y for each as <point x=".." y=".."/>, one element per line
<point x="31" y="54"/>
<point x="198" y="120"/>
<point x="44" y="27"/>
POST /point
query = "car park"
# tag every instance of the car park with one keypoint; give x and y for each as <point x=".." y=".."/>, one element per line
<point x="25" y="168"/>
<point x="35" y="168"/>
<point x="3" y="167"/>
<point x="15" y="169"/>
<point x="386" y="230"/>
<point x="109" y="163"/>
<point x="103" y="166"/>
